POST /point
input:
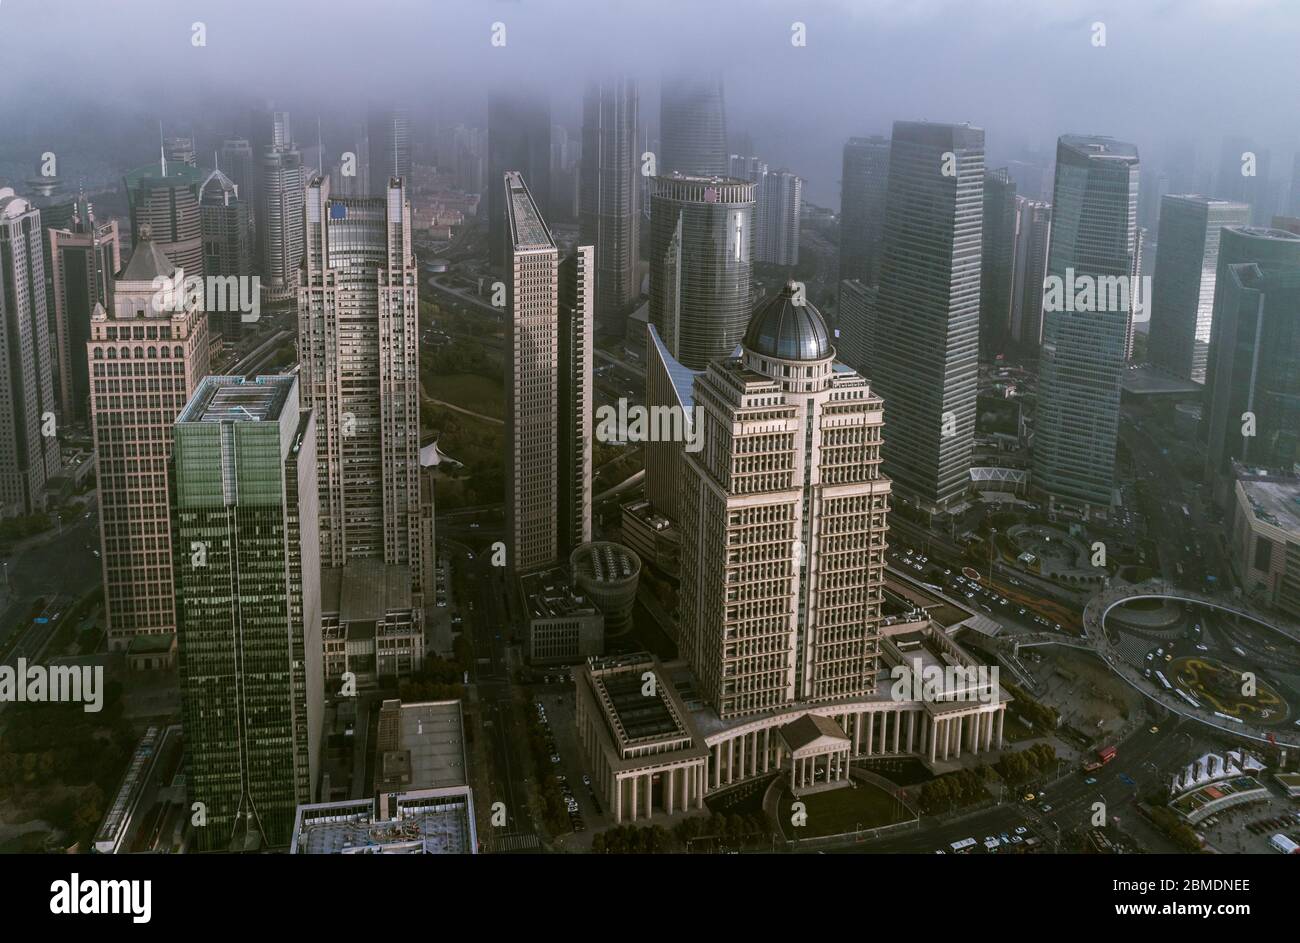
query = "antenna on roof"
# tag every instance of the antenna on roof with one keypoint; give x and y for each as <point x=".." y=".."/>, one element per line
<point x="320" y="150"/>
<point x="162" y="149"/>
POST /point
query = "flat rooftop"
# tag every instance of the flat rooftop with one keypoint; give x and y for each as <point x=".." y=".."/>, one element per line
<point x="235" y="399"/>
<point x="1275" y="502"/>
<point x="365" y="590"/>
<point x="419" y="746"/>
<point x="1147" y="381"/>
<point x="434" y="826"/>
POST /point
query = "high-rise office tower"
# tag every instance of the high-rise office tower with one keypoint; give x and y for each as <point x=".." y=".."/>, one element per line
<point x="180" y="150"/>
<point x="147" y="353"/>
<point x="701" y="262"/>
<point x="389" y="134"/>
<point x="610" y="192"/>
<point x="856" y="328"/>
<point x="359" y="346"/>
<point x="779" y="201"/>
<point x="575" y="344"/>
<point x="166" y="199"/>
<point x="28" y="456"/>
<point x="1183" y="285"/>
<point x="519" y="140"/>
<point x="783" y="518"/>
<point x="238" y="164"/>
<point x="226" y="248"/>
<point x="863" y="182"/>
<point x="532" y="381"/>
<point x="997" y="267"/>
<point x="925" y="359"/>
<point x="1094" y="243"/>
<point x="1033" y="232"/>
<point x="84" y="259"/>
<point x="1243" y="177"/>
<point x="1252" y="394"/>
<point x="692" y="128"/>
<point x="280" y="219"/>
<point x="248" y="607"/>
<point x="266" y="129"/>
<point x="746" y="168"/>
<point x="1293" y="204"/>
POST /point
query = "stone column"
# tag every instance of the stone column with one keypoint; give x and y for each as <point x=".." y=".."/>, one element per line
<point x="870" y="718"/>
<point x="898" y="728"/>
<point x="669" y="789"/>
<point x="618" y="800"/>
<point x="934" y="739"/>
<point x="857" y="733"/>
<point x="911" y="729"/>
<point x="632" y="782"/>
<point x="1002" y="714"/>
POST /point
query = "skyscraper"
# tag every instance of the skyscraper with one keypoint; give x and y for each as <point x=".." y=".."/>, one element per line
<point x="166" y="199"/>
<point x="248" y="607"/>
<point x="783" y="514"/>
<point x="519" y="140"/>
<point x="1251" y="389"/>
<point x="779" y="203"/>
<point x="1183" y="286"/>
<point x="147" y="353"/>
<point x="532" y="381"/>
<point x="280" y="219"/>
<point x="1094" y="244"/>
<point x="692" y="128"/>
<point x="997" y="268"/>
<point x="389" y="134"/>
<point x="29" y="452"/>
<point x="701" y="252"/>
<point x="575" y="343"/>
<point x="925" y="361"/>
<point x="1243" y="177"/>
<point x="609" y="194"/>
<point x="358" y="343"/>
<point x="84" y="259"/>
<point x="1033" y="232"/>
<point x="856" y="324"/>
<point x="863" y="183"/>
<point x="226" y="248"/>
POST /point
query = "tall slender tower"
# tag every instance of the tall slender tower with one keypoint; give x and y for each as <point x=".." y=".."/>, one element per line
<point x="532" y="381"/>
<point x="1094" y="238"/>
<point x="280" y="219"/>
<point x="29" y="451"/>
<point x="248" y="607"/>
<point x="1033" y="231"/>
<point x="389" y="134"/>
<point x="147" y="354"/>
<point x="997" y="268"/>
<point x="227" y="251"/>
<point x="84" y="259"/>
<point x="783" y="516"/>
<point x="609" y="193"/>
<point x="574" y="417"/>
<point x="1251" y="390"/>
<point x="692" y="128"/>
<point x="1182" y="290"/>
<point x="701" y="263"/>
<point x="863" y="182"/>
<point x="924" y="358"/>
<point x="358" y="343"/>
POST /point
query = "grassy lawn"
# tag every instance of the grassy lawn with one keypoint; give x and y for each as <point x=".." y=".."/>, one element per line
<point x="848" y="809"/>
<point x="469" y="391"/>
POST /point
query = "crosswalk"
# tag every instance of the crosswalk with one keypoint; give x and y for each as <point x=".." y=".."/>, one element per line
<point x="499" y="844"/>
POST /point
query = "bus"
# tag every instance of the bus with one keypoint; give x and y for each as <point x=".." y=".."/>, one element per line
<point x="959" y="847"/>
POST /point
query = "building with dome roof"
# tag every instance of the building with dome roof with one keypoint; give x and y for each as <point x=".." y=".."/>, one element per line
<point x="783" y="519"/>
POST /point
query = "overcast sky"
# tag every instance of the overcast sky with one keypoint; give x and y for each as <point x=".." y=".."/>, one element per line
<point x="1025" y="70"/>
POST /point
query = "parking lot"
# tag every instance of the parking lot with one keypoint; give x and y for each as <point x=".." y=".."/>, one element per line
<point x="587" y="812"/>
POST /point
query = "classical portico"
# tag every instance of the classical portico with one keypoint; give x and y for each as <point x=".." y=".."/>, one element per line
<point x="816" y="754"/>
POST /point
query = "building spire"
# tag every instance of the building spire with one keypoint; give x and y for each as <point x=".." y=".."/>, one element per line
<point x="162" y="149"/>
